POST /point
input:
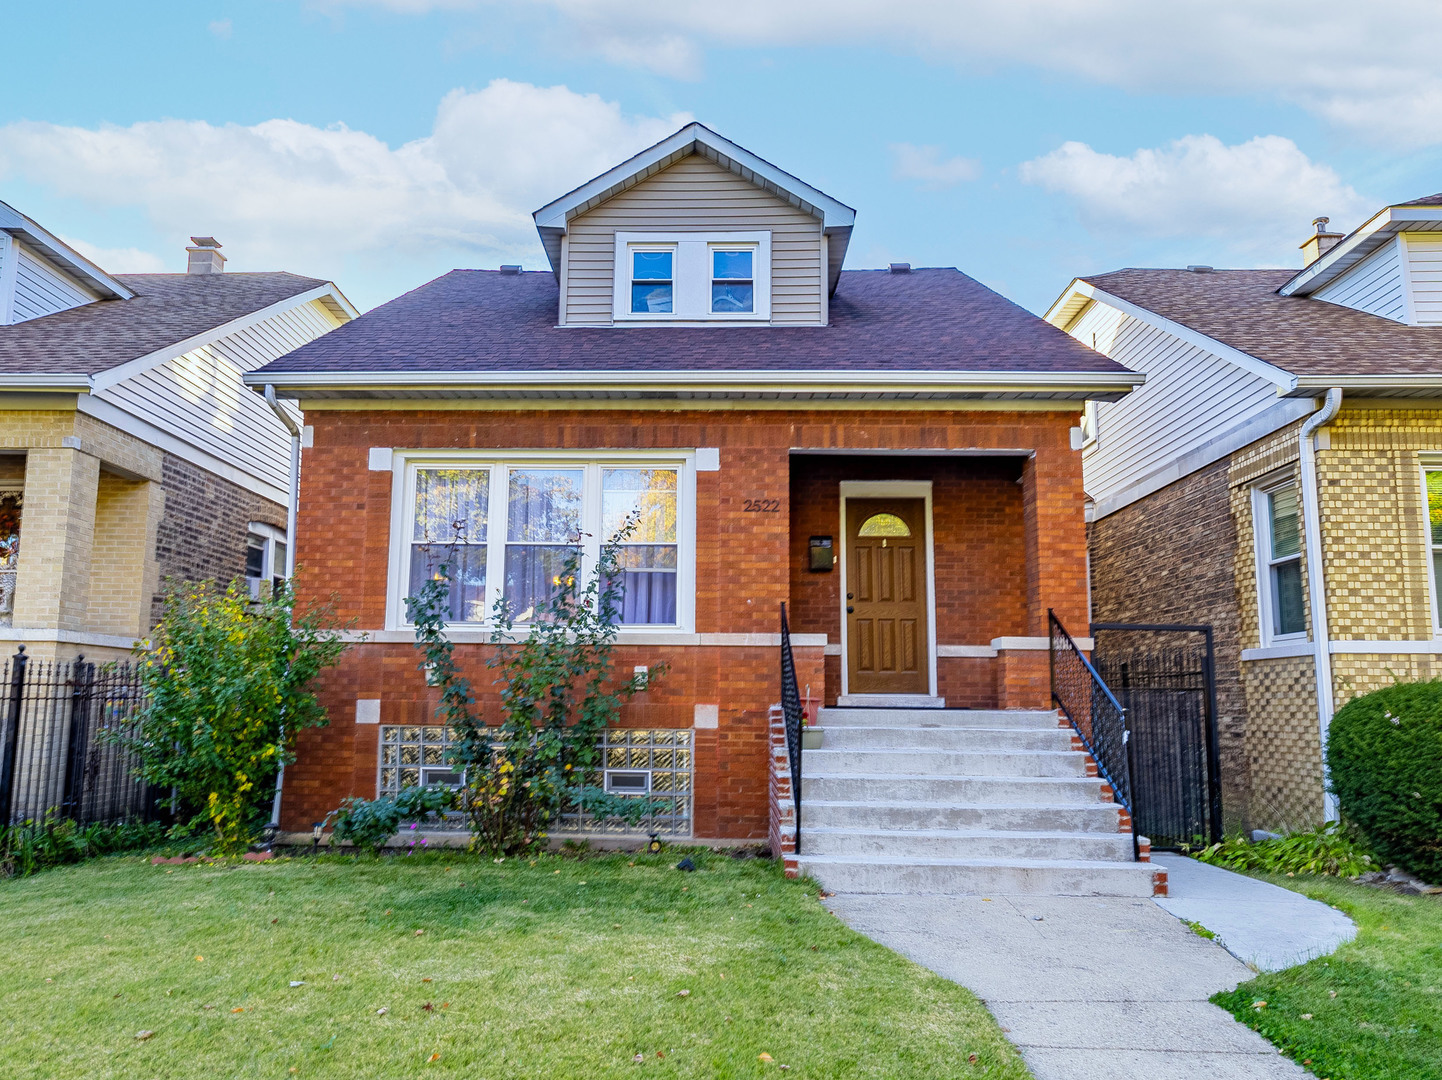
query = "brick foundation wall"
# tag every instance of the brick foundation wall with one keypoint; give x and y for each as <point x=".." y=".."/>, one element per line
<point x="1171" y="558"/>
<point x="202" y="533"/>
<point x="743" y="570"/>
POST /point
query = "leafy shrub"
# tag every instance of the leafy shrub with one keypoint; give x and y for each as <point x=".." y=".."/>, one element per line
<point x="558" y="694"/>
<point x="1331" y="849"/>
<point x="38" y="845"/>
<point x="369" y="823"/>
<point x="228" y="685"/>
<point x="1384" y="752"/>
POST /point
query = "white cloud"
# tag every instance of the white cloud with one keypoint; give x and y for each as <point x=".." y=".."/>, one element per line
<point x="1259" y="196"/>
<point x="287" y="194"/>
<point x="123" y="260"/>
<point x="926" y="166"/>
<point x="1369" y="67"/>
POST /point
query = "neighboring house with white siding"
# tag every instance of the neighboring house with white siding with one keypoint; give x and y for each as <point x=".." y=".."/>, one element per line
<point x="130" y="450"/>
<point x="1289" y="420"/>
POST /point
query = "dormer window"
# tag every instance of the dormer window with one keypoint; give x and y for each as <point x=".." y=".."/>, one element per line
<point x="733" y="289"/>
<point x="693" y="277"/>
<point x="652" y="281"/>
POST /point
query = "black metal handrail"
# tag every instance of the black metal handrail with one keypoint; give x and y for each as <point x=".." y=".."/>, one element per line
<point x="791" y="717"/>
<point x="1095" y="714"/>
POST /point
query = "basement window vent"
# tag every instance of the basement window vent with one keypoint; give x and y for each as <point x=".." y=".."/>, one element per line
<point x="443" y="777"/>
<point x="629" y="782"/>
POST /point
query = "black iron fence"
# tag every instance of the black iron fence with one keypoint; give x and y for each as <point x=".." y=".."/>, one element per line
<point x="1079" y="691"/>
<point x="1165" y="677"/>
<point x="791" y="714"/>
<point x="57" y="759"/>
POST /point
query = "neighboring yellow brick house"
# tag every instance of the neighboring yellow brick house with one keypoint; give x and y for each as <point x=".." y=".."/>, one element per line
<point x="129" y="450"/>
<point x="1287" y="418"/>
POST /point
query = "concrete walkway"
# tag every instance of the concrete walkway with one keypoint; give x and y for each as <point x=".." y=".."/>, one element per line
<point x="1111" y="988"/>
<point x="1267" y="927"/>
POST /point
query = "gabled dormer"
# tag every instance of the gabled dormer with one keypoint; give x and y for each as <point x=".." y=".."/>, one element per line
<point x="695" y="231"/>
<point x="1391" y="266"/>
<point x="41" y="274"/>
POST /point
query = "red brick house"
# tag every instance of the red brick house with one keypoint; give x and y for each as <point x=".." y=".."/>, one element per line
<point x="890" y="452"/>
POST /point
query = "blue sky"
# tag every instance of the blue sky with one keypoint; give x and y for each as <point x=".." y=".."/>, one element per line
<point x="382" y="142"/>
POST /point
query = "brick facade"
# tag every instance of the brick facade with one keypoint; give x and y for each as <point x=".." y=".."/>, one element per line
<point x="202" y="535"/>
<point x="989" y="513"/>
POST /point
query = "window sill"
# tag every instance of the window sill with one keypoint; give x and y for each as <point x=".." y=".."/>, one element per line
<point x="1279" y="650"/>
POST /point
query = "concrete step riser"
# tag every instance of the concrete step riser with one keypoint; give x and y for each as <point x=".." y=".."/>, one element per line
<point x="1010" y="740"/>
<point x="939" y="763"/>
<point x="1097" y="818"/>
<point x="996" y="791"/>
<point x="1093" y="847"/>
<point x="937" y="718"/>
<point x="1132" y="879"/>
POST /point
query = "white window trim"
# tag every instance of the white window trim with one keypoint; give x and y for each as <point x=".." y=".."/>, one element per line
<point x="272" y="536"/>
<point x="1430" y="464"/>
<point x="691" y="276"/>
<point x="1262" y="548"/>
<point x="403" y="512"/>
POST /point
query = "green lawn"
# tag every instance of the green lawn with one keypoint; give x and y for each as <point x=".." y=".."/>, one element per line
<point x="563" y="969"/>
<point x="1375" y="1005"/>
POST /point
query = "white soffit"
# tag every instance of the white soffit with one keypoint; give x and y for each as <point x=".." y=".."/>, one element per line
<point x="61" y="253"/>
<point x="836" y="217"/>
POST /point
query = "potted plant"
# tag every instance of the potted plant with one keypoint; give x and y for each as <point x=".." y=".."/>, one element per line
<point x="810" y="736"/>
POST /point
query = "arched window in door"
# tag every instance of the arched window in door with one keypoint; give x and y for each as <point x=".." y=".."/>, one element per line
<point x="884" y="525"/>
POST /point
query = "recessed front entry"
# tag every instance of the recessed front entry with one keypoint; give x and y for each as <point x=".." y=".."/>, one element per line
<point x="886" y="630"/>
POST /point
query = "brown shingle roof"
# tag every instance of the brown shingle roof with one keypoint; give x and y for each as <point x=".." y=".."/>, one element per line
<point x="1241" y="308"/>
<point x="1425" y="200"/>
<point x="936" y="320"/>
<point x="167" y="308"/>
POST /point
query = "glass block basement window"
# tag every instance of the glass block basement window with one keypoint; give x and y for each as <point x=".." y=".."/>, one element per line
<point x="416" y="754"/>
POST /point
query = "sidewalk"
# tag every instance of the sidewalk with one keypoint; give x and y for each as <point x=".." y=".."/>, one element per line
<point x="1100" y="987"/>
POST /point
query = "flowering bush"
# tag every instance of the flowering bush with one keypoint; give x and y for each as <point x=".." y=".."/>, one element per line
<point x="371" y="822"/>
<point x="228" y="687"/>
<point x="558" y="695"/>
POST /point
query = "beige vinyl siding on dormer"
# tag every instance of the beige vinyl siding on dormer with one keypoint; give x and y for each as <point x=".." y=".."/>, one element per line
<point x="695" y="195"/>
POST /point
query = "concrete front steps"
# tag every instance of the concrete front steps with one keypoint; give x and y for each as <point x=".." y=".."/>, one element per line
<point x="957" y="801"/>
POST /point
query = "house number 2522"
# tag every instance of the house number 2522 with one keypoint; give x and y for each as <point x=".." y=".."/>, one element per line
<point x="763" y="506"/>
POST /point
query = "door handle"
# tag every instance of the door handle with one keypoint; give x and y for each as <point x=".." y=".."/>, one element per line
<point x="851" y="596"/>
<point x="850" y="610"/>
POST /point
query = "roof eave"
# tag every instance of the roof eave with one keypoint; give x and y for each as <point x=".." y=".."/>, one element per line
<point x="551" y="220"/>
<point x="61" y="253"/>
<point x="1357" y="245"/>
<point x="44" y="382"/>
<point x="1401" y="385"/>
<point x="733" y="384"/>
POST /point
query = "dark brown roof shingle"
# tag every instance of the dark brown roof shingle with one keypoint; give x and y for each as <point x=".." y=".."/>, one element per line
<point x="486" y="321"/>
<point x="1241" y="308"/>
<point x="166" y="308"/>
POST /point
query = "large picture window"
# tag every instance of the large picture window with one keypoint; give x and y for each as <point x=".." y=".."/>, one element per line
<point x="507" y="530"/>
<point x="1279" y="549"/>
<point x="1433" y="479"/>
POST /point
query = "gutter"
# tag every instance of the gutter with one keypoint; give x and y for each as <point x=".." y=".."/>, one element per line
<point x="292" y="506"/>
<point x="1316" y="577"/>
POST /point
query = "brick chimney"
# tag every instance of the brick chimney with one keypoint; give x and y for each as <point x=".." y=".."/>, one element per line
<point x="1320" y="242"/>
<point x="205" y="256"/>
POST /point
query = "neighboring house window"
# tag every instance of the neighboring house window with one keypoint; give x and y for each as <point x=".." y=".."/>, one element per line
<point x="1279" y="561"/>
<point x="265" y="556"/>
<point x="1434" y="538"/>
<point x="693" y="277"/>
<point x="1090" y="429"/>
<point x="10" y="503"/>
<point x="507" y="531"/>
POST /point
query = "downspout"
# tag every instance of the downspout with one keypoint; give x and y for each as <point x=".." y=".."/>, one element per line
<point x="1316" y="578"/>
<point x="292" y="505"/>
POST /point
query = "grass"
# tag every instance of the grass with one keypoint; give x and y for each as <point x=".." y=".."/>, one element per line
<point x="1370" y="1011"/>
<point x="561" y="968"/>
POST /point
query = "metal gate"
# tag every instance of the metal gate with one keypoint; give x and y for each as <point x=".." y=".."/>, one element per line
<point x="1164" y="675"/>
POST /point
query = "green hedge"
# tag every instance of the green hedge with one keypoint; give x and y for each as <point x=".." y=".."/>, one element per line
<point x="1384" y="751"/>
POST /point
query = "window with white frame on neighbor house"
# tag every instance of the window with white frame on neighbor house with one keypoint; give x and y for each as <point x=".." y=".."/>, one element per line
<point x="1279" y="563"/>
<point x="507" y="530"/>
<point x="265" y="557"/>
<point x="686" y="277"/>
<point x="1433" y="481"/>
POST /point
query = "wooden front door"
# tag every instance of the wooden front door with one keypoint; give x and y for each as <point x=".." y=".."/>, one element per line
<point x="886" y="632"/>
